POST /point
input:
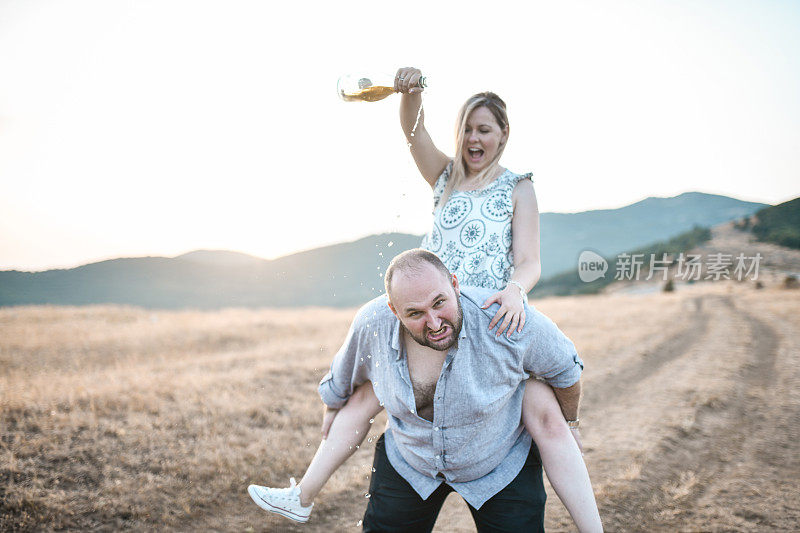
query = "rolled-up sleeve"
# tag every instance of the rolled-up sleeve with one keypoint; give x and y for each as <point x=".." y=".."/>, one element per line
<point x="551" y="355"/>
<point x="347" y="370"/>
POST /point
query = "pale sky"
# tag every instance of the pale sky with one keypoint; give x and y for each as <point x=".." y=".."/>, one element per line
<point x="132" y="128"/>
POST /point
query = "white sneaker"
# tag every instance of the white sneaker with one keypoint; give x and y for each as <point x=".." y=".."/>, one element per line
<point x="285" y="502"/>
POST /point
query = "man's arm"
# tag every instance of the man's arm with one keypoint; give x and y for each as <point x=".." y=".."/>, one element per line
<point x="550" y="355"/>
<point x="347" y="370"/>
<point x="569" y="399"/>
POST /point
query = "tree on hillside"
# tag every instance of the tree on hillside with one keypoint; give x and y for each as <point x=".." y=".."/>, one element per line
<point x="779" y="224"/>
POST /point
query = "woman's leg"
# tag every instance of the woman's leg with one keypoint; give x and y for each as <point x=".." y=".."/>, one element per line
<point x="347" y="431"/>
<point x="560" y="455"/>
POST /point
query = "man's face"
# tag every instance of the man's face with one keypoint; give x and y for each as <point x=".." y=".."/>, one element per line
<point x="427" y="304"/>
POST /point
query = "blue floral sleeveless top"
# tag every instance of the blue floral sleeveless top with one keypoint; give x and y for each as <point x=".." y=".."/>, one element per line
<point x="471" y="234"/>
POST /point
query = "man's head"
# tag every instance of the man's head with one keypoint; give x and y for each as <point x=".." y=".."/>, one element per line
<point x="424" y="296"/>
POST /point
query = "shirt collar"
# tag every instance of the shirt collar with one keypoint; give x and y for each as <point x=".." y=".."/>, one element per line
<point x="464" y="327"/>
<point x="394" y="337"/>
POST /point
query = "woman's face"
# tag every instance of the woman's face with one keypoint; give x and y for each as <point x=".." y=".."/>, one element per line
<point x="482" y="139"/>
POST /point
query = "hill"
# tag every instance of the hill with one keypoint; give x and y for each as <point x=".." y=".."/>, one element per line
<point x="568" y="282"/>
<point x="779" y="224"/>
<point x="207" y="279"/>
<point x="346" y="274"/>
<point x="611" y="231"/>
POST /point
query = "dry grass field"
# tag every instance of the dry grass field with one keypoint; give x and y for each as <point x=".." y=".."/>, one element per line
<point x="116" y="418"/>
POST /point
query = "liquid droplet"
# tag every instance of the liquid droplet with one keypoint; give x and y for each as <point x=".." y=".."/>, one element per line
<point x="359" y="523"/>
<point x="367" y="495"/>
<point x="371" y="420"/>
<point x="373" y="468"/>
<point x="381" y="404"/>
<point x="391" y="243"/>
<point x="419" y="114"/>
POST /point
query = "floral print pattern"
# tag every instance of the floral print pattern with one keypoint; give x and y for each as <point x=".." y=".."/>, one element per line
<point x="471" y="234"/>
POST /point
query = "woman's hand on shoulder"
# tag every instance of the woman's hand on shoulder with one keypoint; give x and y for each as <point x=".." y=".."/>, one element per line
<point x="406" y="79"/>
<point x="511" y="312"/>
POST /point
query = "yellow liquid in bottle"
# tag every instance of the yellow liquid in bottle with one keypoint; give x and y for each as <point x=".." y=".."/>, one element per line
<point x="369" y="94"/>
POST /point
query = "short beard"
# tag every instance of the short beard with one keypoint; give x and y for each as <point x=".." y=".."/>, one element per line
<point x="456" y="329"/>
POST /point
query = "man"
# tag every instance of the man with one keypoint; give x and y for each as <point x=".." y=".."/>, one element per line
<point x="453" y="392"/>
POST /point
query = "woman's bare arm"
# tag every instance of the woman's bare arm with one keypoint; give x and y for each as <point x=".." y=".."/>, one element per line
<point x="527" y="267"/>
<point x="429" y="159"/>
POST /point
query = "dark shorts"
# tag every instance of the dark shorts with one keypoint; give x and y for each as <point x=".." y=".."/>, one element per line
<point x="394" y="506"/>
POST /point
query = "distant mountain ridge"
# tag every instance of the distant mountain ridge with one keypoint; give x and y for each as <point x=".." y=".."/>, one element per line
<point x="346" y="274"/>
<point x="610" y="231"/>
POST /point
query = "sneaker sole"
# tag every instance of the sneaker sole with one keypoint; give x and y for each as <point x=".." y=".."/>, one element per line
<point x="277" y="510"/>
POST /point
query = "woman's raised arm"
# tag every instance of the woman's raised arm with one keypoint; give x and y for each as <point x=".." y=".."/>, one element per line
<point x="429" y="159"/>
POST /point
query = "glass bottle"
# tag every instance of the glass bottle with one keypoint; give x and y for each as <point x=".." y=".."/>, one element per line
<point x="369" y="88"/>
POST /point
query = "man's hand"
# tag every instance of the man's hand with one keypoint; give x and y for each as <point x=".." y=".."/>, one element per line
<point x="576" y="434"/>
<point x="327" y="420"/>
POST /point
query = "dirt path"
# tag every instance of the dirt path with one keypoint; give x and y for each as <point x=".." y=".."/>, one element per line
<point x="673" y="347"/>
<point x="690" y="459"/>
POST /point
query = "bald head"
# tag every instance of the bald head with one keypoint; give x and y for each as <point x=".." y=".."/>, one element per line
<point x="412" y="262"/>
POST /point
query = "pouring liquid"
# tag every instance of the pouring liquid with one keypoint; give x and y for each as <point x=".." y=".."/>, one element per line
<point x="368" y="94"/>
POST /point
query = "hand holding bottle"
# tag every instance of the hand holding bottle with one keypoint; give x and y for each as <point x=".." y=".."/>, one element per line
<point x="407" y="81"/>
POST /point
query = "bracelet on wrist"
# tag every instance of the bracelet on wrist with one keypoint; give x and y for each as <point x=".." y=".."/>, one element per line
<point x="522" y="291"/>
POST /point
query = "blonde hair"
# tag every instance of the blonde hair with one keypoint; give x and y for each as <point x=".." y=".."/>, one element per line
<point x="458" y="173"/>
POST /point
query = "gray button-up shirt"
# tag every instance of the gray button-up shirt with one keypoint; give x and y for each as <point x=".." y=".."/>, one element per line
<point x="476" y="443"/>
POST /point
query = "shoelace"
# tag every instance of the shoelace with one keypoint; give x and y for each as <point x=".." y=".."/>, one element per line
<point x="292" y="493"/>
<point x="293" y="487"/>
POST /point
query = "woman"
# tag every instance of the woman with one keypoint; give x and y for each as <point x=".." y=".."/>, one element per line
<point x="486" y="231"/>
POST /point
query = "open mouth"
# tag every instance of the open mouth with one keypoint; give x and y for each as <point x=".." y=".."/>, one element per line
<point x="475" y="154"/>
<point x="439" y="334"/>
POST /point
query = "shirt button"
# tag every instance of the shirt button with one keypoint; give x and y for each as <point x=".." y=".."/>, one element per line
<point x="436" y="429"/>
<point x="438" y="457"/>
